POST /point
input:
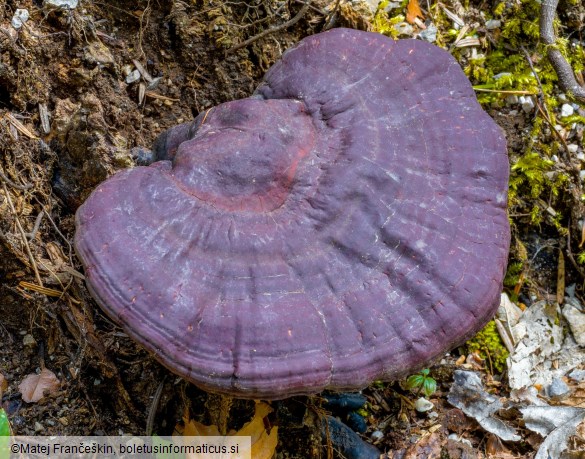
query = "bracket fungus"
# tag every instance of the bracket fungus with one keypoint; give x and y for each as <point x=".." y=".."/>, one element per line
<point x="345" y="223"/>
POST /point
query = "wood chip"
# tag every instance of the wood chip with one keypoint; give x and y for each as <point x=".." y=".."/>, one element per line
<point x="44" y="116"/>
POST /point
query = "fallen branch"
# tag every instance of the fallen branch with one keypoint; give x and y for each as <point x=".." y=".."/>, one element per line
<point x="567" y="79"/>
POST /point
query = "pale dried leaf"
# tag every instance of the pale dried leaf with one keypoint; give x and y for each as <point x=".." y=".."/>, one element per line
<point x="468" y="394"/>
<point x="555" y="423"/>
<point x="544" y="349"/>
<point x="35" y="386"/>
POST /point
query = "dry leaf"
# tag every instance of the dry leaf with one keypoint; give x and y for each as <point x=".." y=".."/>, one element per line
<point x="34" y="387"/>
<point x="3" y="384"/>
<point x="196" y="429"/>
<point x="263" y="443"/>
<point x="561" y="278"/>
<point x="495" y="448"/>
<point x="413" y="11"/>
<point x="428" y="446"/>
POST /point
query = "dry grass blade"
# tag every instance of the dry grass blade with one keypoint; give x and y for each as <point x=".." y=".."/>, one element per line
<point x="154" y="95"/>
<point x="44" y="290"/>
<point x="19" y="126"/>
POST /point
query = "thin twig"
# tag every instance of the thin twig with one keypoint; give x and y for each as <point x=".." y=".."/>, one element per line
<point x="505" y="91"/>
<point x="543" y="109"/>
<point x="153" y="408"/>
<point x="314" y="8"/>
<point x="332" y="16"/>
<point x="56" y="228"/>
<point x="23" y="234"/>
<point x="35" y="229"/>
<point x="26" y="186"/>
<point x="529" y="59"/>
<point x="552" y="127"/>
<point x="570" y="253"/>
<point x="274" y="29"/>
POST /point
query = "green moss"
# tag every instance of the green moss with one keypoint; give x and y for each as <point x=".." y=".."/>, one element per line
<point x="490" y="347"/>
<point x="513" y="273"/>
<point x="385" y="24"/>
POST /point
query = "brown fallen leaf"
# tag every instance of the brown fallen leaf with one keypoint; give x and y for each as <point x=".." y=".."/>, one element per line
<point x="3" y="384"/>
<point x="413" y="11"/>
<point x="34" y="387"/>
<point x="428" y="447"/>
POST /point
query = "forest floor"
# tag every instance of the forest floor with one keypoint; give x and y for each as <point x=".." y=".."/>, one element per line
<point x="81" y="86"/>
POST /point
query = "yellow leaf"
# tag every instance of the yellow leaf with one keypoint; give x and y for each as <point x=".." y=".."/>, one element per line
<point x="263" y="442"/>
<point x="196" y="429"/>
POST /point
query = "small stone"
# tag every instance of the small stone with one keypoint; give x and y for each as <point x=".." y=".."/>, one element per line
<point x="493" y="24"/>
<point x="572" y="147"/>
<point x="20" y="17"/>
<point x="512" y="99"/>
<point x="422" y="405"/>
<point x="64" y="421"/>
<point x="527" y="103"/>
<point x="393" y="6"/>
<point x="377" y="435"/>
<point x="459" y="439"/>
<point x="577" y="375"/>
<point x="28" y="340"/>
<point x="404" y="28"/>
<point x="38" y="427"/>
<point x="429" y="34"/>
<point x="133" y="77"/>
<point x="567" y="110"/>
<point x="558" y="388"/>
<point x="575" y="317"/>
<point x="582" y="175"/>
<point x="562" y="97"/>
<point x="68" y="4"/>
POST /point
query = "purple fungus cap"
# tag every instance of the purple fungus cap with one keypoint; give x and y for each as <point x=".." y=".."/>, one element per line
<point x="346" y="223"/>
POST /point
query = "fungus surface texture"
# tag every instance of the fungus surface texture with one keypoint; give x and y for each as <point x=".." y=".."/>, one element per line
<point x="345" y="223"/>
